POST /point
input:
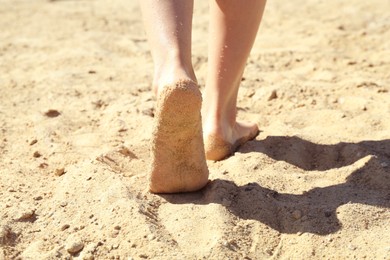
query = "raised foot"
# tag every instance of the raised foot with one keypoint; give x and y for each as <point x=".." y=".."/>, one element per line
<point x="219" y="146"/>
<point x="178" y="157"/>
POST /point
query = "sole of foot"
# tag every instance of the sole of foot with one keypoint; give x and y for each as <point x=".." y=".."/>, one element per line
<point x="178" y="156"/>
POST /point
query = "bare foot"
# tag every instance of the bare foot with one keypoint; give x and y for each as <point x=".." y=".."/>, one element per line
<point x="178" y="157"/>
<point x="223" y="143"/>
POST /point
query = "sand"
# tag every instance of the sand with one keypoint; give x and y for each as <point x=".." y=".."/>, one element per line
<point x="76" y="118"/>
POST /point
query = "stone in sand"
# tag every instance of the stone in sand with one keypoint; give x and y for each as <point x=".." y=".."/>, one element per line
<point x="178" y="157"/>
<point x="74" y="245"/>
<point x="26" y="214"/>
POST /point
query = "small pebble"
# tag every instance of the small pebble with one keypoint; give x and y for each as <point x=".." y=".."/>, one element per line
<point x="297" y="214"/>
<point x="26" y="214"/>
<point x="117" y="228"/>
<point x="151" y="237"/>
<point x="43" y="165"/>
<point x="52" y="113"/>
<point x="273" y="95"/>
<point x="229" y="244"/>
<point x="37" y="154"/>
<point x="114" y="233"/>
<point x="64" y="227"/>
<point x="33" y="142"/>
<point x="60" y="171"/>
<point x="251" y="93"/>
<point x="38" y="198"/>
<point x="148" y="112"/>
<point x="74" y="246"/>
<point x="352" y="247"/>
<point x="64" y="204"/>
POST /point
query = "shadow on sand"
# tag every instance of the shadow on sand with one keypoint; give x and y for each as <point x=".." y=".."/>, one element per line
<point x="369" y="185"/>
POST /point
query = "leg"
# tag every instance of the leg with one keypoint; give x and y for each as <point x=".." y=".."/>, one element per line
<point x="168" y="24"/>
<point x="233" y="29"/>
<point x="178" y="157"/>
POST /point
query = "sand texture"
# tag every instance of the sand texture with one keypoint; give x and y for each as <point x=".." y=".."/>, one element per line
<point x="77" y="115"/>
<point x="178" y="162"/>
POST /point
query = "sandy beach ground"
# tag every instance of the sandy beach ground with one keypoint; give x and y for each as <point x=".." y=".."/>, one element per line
<point x="76" y="111"/>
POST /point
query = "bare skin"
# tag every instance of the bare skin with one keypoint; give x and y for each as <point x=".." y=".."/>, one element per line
<point x="168" y="26"/>
<point x="233" y="28"/>
<point x="178" y="156"/>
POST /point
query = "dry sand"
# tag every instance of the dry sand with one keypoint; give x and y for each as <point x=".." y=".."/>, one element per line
<point x="76" y="114"/>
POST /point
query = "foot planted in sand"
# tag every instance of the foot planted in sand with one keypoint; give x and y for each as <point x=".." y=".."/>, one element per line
<point x="218" y="148"/>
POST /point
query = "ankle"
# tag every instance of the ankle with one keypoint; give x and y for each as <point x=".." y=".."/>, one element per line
<point x="217" y="126"/>
<point x="170" y="72"/>
<point x="217" y="121"/>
